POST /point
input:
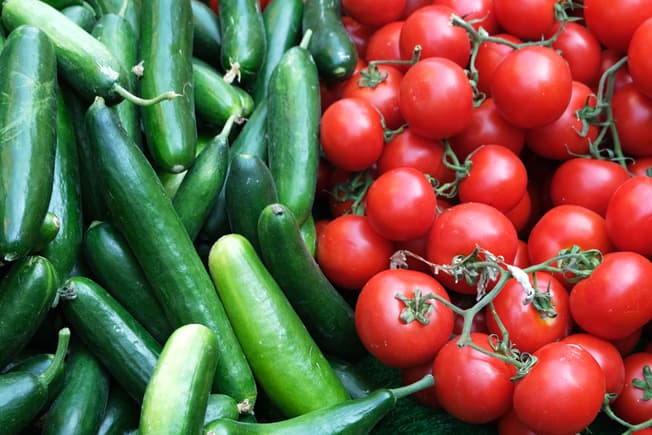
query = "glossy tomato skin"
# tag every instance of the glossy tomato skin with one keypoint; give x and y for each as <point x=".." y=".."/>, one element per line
<point x="614" y="301"/>
<point x="521" y="213"/>
<point x="385" y="335"/>
<point x="622" y="76"/>
<point x="413" y="5"/>
<point x="509" y="424"/>
<point x="359" y="34"/>
<point x="435" y="98"/>
<point x="613" y="22"/>
<point x="581" y="49"/>
<point x="373" y="12"/>
<point x="471" y="386"/>
<point x="350" y="252"/>
<point x="628" y="216"/>
<point x="638" y="59"/>
<point x="640" y="166"/>
<point x="521" y="259"/>
<point x="384" y="44"/>
<point x="489" y="55"/>
<point x="630" y="405"/>
<point x="632" y="112"/>
<point x="562" y="393"/>
<point x="474" y="10"/>
<point x="526" y="19"/>
<point x="535" y="98"/>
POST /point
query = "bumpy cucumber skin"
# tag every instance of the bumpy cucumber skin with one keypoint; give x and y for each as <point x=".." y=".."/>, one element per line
<point x="121" y="414"/>
<point x="131" y="13"/>
<point x="207" y="36"/>
<point x="215" y="99"/>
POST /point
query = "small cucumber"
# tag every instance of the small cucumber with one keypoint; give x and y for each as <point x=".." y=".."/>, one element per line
<point x="128" y="9"/>
<point x="215" y="99"/>
<point x="47" y="232"/>
<point x="82" y="15"/>
<point x="223" y="406"/>
<point x="121" y="414"/>
<point x="37" y="364"/>
<point x="207" y="37"/>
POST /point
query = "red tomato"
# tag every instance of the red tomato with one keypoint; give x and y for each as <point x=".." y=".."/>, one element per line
<point x="631" y="405"/>
<point x="351" y="134"/>
<point x="350" y="252"/>
<point x="622" y="76"/>
<point x="359" y="34"/>
<point x="401" y="204"/>
<point x="614" y="301"/>
<point x="435" y="98"/>
<point x="474" y="10"/>
<point x="526" y="19"/>
<point x="581" y="50"/>
<point x="607" y="357"/>
<point x="479" y="321"/>
<point x="521" y="259"/>
<point x="472" y="386"/>
<point x="632" y="113"/>
<point x="343" y="188"/>
<point x="431" y="28"/>
<point x="497" y="177"/>
<point x="412" y="5"/>
<point x="638" y="60"/>
<point x="629" y="214"/>
<point x="489" y="55"/>
<point x="532" y="86"/>
<point x="509" y="424"/>
<point x="613" y="22"/>
<point x="383" y="44"/>
<point x="520" y="214"/>
<point x="640" y="166"/>
<point x="587" y="182"/>
<point x="562" y="393"/>
<point x="373" y="12"/>
<point x="460" y="228"/>
<point x="426" y="396"/>
<point x="406" y="331"/>
<point x="627" y="344"/>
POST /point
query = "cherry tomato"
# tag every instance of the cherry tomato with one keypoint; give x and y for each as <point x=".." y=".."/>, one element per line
<point x="628" y="216"/>
<point x="397" y="319"/>
<point x="383" y="44"/>
<point x="474" y="10"/>
<point x="526" y="19"/>
<point x="632" y="112"/>
<point x="373" y="12"/>
<point x="613" y="22"/>
<point x="426" y="396"/>
<point x="581" y="50"/>
<point x="638" y="62"/>
<point x="631" y="405"/>
<point x="489" y="55"/>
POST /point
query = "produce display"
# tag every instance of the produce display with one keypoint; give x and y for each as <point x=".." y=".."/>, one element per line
<point x="325" y="217"/>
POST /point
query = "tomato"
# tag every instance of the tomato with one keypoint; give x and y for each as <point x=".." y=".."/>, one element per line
<point x="628" y="344"/>
<point x="622" y="76"/>
<point x="479" y="321"/>
<point x="587" y="182"/>
<point x="351" y="134"/>
<point x="562" y="393"/>
<point x="489" y="56"/>
<point x="632" y="112"/>
<point x="487" y="126"/>
<point x="350" y="252"/>
<point x="532" y="86"/>
<point x="373" y="12"/>
<point x="460" y="228"/>
<point x="435" y="98"/>
<point x="613" y="22"/>
<point x="631" y="405"/>
<point x="497" y="177"/>
<point x="520" y="214"/>
<point x="343" y="188"/>
<point x="614" y="301"/>
<point x="401" y="204"/>
<point x="640" y="166"/>
<point x="470" y="385"/>
<point x="383" y="95"/>
<point x="412" y="5"/>
<point x="398" y="321"/>
<point x="383" y="44"/>
<point x="509" y="424"/>
<point x="521" y="259"/>
<point x="418" y="247"/>
<point x="606" y="355"/>
<point x="431" y="28"/>
<point x="359" y="34"/>
<point x="474" y="10"/>
<point x="526" y="19"/>
<point x="639" y="64"/>
<point x="410" y="375"/>
<point x="581" y="50"/>
<point x="628" y="216"/>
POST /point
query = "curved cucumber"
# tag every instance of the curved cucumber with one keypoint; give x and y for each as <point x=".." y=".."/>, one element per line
<point x="207" y="37"/>
<point x="121" y="414"/>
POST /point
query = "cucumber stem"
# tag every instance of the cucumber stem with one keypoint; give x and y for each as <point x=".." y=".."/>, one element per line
<point x="305" y="40"/>
<point x="62" y="348"/>
<point x="228" y="125"/>
<point x="421" y="384"/>
<point x="124" y="93"/>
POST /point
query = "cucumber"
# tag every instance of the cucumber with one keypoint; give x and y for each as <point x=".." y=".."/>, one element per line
<point x="47" y="232"/>
<point x="171" y="181"/>
<point x="287" y="362"/>
<point x="293" y="129"/>
<point x="128" y="9"/>
<point x="28" y="115"/>
<point x="222" y="406"/>
<point x="207" y="36"/>
<point x="121" y="414"/>
<point x="309" y="234"/>
<point x="61" y="4"/>
<point x="37" y="364"/>
<point x="146" y="217"/>
<point x="215" y="99"/>
<point x="83" y="16"/>
<point x="176" y="396"/>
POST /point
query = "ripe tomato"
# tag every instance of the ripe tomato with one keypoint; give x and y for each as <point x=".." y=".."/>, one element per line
<point x="435" y="98"/>
<point x="629" y="343"/>
<point x="350" y="252"/>
<point x="426" y="396"/>
<point x="631" y="405"/>
<point x="474" y="10"/>
<point x="532" y="86"/>
<point x="351" y="134"/>
<point x="401" y="204"/>
<point x="359" y="34"/>
<point x="613" y="22"/>
<point x="521" y="213"/>
<point x="373" y="12"/>
<point x="622" y="76"/>
<point x="526" y="19"/>
<point x="581" y="50"/>
<point x="472" y="386"/>
<point x="489" y="55"/>
<point x="639" y="64"/>
<point x="640" y="166"/>
<point x="628" y="216"/>
<point x="509" y="424"/>
<point x="413" y="5"/>
<point x="632" y="112"/>
<point x="562" y="393"/>
<point x="383" y="44"/>
<point x="521" y="259"/>
<point x="614" y="301"/>
<point x="397" y="321"/>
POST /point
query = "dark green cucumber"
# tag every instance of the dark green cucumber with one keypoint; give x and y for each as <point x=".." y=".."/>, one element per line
<point x="327" y="315"/>
<point x="65" y="200"/>
<point x="198" y="191"/>
<point x="121" y="414"/>
<point x="118" y="341"/>
<point x="285" y="359"/>
<point x="352" y="417"/>
<point x="28" y="113"/>
<point x="79" y="407"/>
<point x="115" y="268"/>
<point x="207" y="37"/>
<point x="331" y="46"/>
<point x="23" y="395"/>
<point x="223" y="406"/>
<point x="83" y="16"/>
<point x="166" y="52"/>
<point x="176" y="396"/>
<point x="47" y="232"/>
<point x="293" y="129"/>
<point x="355" y="381"/>
<point x="27" y="292"/>
<point x="116" y="33"/>
<point x="37" y="364"/>
<point x="172" y="181"/>
<point x="243" y="37"/>
<point x="146" y="217"/>
<point x="282" y="20"/>
<point x="61" y="4"/>
<point x="128" y="9"/>
<point x="249" y="189"/>
<point x="309" y="234"/>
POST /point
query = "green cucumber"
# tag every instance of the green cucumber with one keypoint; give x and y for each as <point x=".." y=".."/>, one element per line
<point x="293" y="129"/>
<point x="215" y="99"/>
<point x="331" y="46"/>
<point x="121" y="414"/>
<point x="116" y="269"/>
<point x="27" y="292"/>
<point x="128" y="9"/>
<point x="47" y="232"/>
<point x="79" y="407"/>
<point x="172" y="181"/>
<point x="285" y="359"/>
<point x="356" y="381"/>
<point x="146" y="217"/>
<point x="81" y="15"/>
<point x="176" y="396"/>
<point x="118" y="341"/>
<point x="207" y="37"/>
<point x="223" y="406"/>
<point x="327" y="315"/>
<point x="37" y="364"/>
<point x="309" y="234"/>
<point x="166" y="52"/>
<point x="61" y="4"/>
<point x="28" y="113"/>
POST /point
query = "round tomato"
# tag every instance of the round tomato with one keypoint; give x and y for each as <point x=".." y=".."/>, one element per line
<point x="374" y="12"/>
<point x="520" y="214"/>
<point x="638" y="60"/>
<point x="410" y="375"/>
<point x="614" y="301"/>
<point x="435" y="98"/>
<point x="481" y="11"/>
<point x="581" y="50"/>
<point x="359" y="34"/>
<point x="632" y="112"/>
<point x="631" y="405"/>
<point x="622" y="76"/>
<point x="640" y="166"/>
<point x="532" y="86"/>
<point x="613" y="22"/>
<point x="629" y="214"/>
<point x="470" y="385"/>
<point x="521" y="259"/>
<point x="509" y="424"/>
<point x="397" y="319"/>
<point x="626" y="345"/>
<point x="413" y="5"/>
<point x="383" y="44"/>
<point x="526" y="19"/>
<point x="489" y="55"/>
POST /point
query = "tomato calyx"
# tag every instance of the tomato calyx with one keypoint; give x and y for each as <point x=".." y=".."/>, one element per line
<point x="372" y="76"/>
<point x="354" y="189"/>
<point x="644" y="384"/>
<point x="631" y="428"/>
<point x="542" y="301"/>
<point x="418" y="307"/>
<point x="461" y="170"/>
<point x="575" y="263"/>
